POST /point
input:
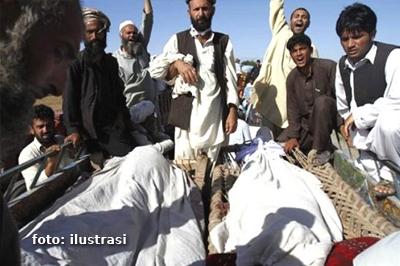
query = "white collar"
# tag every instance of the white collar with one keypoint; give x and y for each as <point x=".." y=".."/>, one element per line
<point x="369" y="56"/>
<point x="37" y="144"/>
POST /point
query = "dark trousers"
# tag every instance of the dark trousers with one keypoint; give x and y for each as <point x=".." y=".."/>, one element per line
<point x="315" y="132"/>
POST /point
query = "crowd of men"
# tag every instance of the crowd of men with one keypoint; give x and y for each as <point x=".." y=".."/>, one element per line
<point x="300" y="97"/>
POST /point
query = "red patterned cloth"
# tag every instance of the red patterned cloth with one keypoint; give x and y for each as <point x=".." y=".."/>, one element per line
<point x="343" y="253"/>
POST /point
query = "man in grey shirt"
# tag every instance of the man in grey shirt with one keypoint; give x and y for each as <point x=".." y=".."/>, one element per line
<point x="140" y="91"/>
<point x="133" y="58"/>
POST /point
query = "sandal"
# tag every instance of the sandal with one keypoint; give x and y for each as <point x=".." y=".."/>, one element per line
<point x="384" y="189"/>
<point x="319" y="158"/>
<point x="322" y="158"/>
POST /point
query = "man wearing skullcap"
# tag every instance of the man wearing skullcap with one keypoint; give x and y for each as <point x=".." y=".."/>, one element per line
<point x="94" y="104"/>
<point x="133" y="60"/>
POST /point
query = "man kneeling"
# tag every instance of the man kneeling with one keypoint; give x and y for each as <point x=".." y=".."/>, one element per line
<point x="311" y="105"/>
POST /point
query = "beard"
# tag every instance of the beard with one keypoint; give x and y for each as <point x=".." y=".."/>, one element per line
<point x="133" y="48"/>
<point x="96" y="47"/>
<point x="202" y="23"/>
<point x="47" y="139"/>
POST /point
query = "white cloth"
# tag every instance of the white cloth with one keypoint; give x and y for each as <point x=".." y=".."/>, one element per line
<point x="181" y="87"/>
<point x="373" y="167"/>
<point x="140" y="195"/>
<point x="32" y="150"/>
<point x="241" y="134"/>
<point x="269" y="95"/>
<point x="238" y="68"/>
<point x="382" y="115"/>
<point x="206" y="125"/>
<point x="384" y="137"/>
<point x="278" y="214"/>
<point x="383" y="253"/>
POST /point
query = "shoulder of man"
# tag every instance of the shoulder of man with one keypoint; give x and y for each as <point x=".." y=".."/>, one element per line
<point x="325" y="62"/>
<point x="292" y="75"/>
<point x="79" y="61"/>
<point x="222" y="39"/>
<point x="110" y="59"/>
<point x="386" y="45"/>
<point x="27" y="152"/>
<point x="220" y="35"/>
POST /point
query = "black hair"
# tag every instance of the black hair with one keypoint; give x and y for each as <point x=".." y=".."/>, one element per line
<point x="43" y="112"/>
<point x="356" y="17"/>
<point x="301" y="8"/>
<point x="300" y="38"/>
<point x="212" y="2"/>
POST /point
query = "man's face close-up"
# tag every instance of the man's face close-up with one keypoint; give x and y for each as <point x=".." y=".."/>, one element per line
<point x="356" y="44"/>
<point x="129" y="33"/>
<point x="43" y="130"/>
<point x="95" y="36"/>
<point x="51" y="51"/>
<point x="299" y="21"/>
<point x="301" y="54"/>
<point x="130" y="41"/>
<point x="201" y="13"/>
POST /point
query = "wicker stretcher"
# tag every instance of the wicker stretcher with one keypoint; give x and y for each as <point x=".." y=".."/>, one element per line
<point x="357" y="217"/>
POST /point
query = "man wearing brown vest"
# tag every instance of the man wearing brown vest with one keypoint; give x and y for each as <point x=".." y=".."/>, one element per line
<point x="368" y="92"/>
<point x="201" y="64"/>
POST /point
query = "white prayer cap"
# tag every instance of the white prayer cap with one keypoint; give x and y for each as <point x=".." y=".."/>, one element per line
<point x="125" y="23"/>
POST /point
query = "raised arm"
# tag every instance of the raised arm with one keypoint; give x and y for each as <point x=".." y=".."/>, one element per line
<point x="147" y="22"/>
<point x="277" y="18"/>
<point x="147" y="7"/>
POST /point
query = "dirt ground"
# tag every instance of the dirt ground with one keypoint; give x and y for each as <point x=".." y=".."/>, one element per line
<point x="54" y="102"/>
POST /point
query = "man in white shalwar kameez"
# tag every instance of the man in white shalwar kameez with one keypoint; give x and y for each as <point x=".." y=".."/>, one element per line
<point x="198" y="75"/>
<point x="269" y="94"/>
<point x="368" y="89"/>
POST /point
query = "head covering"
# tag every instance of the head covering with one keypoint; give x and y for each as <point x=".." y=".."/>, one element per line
<point x="92" y="13"/>
<point x="125" y="23"/>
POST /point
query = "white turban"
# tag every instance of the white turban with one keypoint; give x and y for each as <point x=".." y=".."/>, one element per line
<point x="92" y="13"/>
<point x="125" y="23"/>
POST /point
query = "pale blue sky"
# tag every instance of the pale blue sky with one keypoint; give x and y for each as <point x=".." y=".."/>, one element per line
<point x="246" y="21"/>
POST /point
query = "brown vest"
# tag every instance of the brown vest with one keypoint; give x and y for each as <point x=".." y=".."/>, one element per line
<point x="369" y="79"/>
<point x="181" y="108"/>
